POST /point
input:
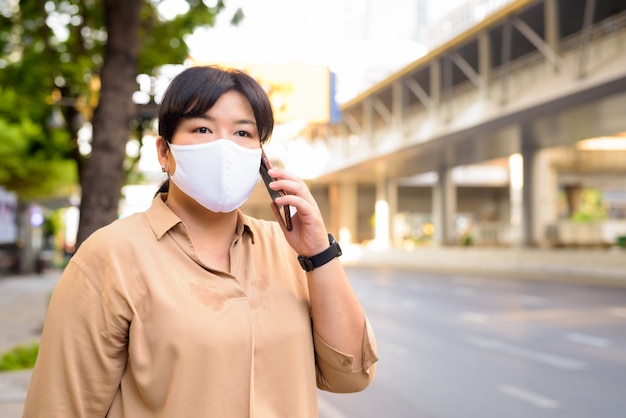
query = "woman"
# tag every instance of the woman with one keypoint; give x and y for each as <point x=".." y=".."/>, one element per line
<point x="193" y="309"/>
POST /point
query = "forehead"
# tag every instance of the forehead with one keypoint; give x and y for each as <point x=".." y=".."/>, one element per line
<point x="231" y="104"/>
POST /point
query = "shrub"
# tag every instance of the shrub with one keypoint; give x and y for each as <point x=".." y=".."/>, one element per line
<point x="20" y="357"/>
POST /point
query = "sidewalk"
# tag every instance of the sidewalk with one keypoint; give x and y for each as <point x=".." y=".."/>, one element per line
<point x="588" y="265"/>
<point x="23" y="302"/>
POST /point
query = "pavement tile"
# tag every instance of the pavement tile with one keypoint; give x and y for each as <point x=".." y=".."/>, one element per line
<point x="23" y="303"/>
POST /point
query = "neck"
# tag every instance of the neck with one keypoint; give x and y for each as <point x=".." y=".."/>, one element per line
<point x="201" y="222"/>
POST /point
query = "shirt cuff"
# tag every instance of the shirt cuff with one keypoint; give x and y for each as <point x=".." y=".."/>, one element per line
<point x="335" y="372"/>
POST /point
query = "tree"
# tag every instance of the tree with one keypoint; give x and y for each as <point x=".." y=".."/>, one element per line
<point x="81" y="59"/>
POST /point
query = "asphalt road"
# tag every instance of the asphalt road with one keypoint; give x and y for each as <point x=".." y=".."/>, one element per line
<point x="454" y="346"/>
<point x="450" y="346"/>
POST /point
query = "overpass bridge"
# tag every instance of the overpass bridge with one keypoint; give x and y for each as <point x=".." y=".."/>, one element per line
<point x="485" y="137"/>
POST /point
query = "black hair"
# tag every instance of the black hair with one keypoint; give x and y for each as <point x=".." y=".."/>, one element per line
<point x="195" y="90"/>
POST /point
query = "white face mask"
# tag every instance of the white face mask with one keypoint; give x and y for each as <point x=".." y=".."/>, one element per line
<point x="220" y="174"/>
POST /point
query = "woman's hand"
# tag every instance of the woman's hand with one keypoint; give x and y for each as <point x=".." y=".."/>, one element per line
<point x="308" y="235"/>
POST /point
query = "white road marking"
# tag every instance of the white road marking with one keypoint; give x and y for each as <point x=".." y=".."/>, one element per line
<point x="327" y="410"/>
<point x="474" y="317"/>
<point x="521" y="352"/>
<point x="587" y="340"/>
<point x="618" y="311"/>
<point x="532" y="300"/>
<point x="528" y="396"/>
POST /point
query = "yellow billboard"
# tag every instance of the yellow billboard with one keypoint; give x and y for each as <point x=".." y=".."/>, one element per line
<point x="298" y="92"/>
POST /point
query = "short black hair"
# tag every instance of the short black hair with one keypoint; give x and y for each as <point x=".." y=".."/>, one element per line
<point x="195" y="90"/>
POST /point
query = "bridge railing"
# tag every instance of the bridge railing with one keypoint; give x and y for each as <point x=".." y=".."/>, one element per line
<point x="467" y="105"/>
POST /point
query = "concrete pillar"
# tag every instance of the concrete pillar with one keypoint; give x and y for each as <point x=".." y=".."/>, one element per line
<point x="344" y="211"/>
<point x="382" y="216"/>
<point x="444" y="208"/>
<point x="529" y="191"/>
<point x="392" y="201"/>
<point x="516" y="185"/>
<point x="545" y="189"/>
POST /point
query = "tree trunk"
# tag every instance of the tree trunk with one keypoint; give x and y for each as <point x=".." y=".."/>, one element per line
<point x="102" y="177"/>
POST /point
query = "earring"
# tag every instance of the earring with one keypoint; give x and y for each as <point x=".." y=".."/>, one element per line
<point x="164" y="168"/>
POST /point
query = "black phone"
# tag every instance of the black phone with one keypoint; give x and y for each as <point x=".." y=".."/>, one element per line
<point x="285" y="211"/>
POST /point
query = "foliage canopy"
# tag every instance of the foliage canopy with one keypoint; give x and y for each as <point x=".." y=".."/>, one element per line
<point x="51" y="56"/>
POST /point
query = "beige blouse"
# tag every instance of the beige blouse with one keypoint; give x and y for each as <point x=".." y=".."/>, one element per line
<point x="139" y="327"/>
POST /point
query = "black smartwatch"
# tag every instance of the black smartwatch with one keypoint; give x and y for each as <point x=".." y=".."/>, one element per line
<point x="311" y="263"/>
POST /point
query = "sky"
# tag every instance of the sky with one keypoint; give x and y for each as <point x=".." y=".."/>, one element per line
<point x="362" y="41"/>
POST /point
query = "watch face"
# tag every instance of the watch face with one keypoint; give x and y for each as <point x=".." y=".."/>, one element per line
<point x="334" y="243"/>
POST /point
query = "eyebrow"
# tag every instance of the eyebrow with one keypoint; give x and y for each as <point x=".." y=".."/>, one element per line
<point x="237" y="122"/>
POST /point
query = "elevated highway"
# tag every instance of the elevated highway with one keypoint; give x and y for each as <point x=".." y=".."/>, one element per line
<point x="517" y="95"/>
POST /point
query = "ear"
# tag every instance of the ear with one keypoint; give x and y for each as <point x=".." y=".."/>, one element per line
<point x="162" y="150"/>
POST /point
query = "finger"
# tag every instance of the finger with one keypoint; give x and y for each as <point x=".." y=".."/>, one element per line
<point x="291" y="188"/>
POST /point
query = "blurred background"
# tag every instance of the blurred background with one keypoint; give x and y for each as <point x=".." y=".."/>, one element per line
<point x="470" y="156"/>
<point x="416" y="123"/>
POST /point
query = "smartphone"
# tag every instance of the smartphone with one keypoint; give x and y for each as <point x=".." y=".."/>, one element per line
<point x="285" y="211"/>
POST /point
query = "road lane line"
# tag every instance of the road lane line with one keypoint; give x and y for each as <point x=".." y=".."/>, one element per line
<point x="618" y="311"/>
<point x="521" y="352"/>
<point x="474" y="317"/>
<point x="327" y="410"/>
<point x="528" y="396"/>
<point x="588" y="340"/>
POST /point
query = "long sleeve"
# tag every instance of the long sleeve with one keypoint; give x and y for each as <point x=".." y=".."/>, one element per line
<point x="82" y="353"/>
<point x="334" y="368"/>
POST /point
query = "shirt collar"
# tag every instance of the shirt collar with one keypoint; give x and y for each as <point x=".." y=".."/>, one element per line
<point x="162" y="219"/>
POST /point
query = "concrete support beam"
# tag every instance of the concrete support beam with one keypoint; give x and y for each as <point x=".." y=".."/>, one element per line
<point x="382" y="110"/>
<point x="546" y="201"/>
<point x="368" y="120"/>
<point x="435" y="83"/>
<point x="529" y="193"/>
<point x="444" y="207"/>
<point x="398" y="105"/>
<point x="507" y="32"/>
<point x="421" y="95"/>
<point x="551" y="55"/>
<point x="385" y="209"/>
<point x="466" y="69"/>
<point x="344" y="211"/>
<point x="551" y="25"/>
<point x="484" y="62"/>
<point x="590" y="7"/>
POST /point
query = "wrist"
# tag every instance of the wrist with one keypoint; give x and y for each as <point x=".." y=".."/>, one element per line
<point x="329" y="253"/>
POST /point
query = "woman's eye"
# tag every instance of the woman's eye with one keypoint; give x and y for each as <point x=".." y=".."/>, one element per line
<point x="203" y="130"/>
<point x="242" y="133"/>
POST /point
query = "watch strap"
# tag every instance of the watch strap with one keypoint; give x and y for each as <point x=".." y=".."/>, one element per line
<point x="318" y="260"/>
